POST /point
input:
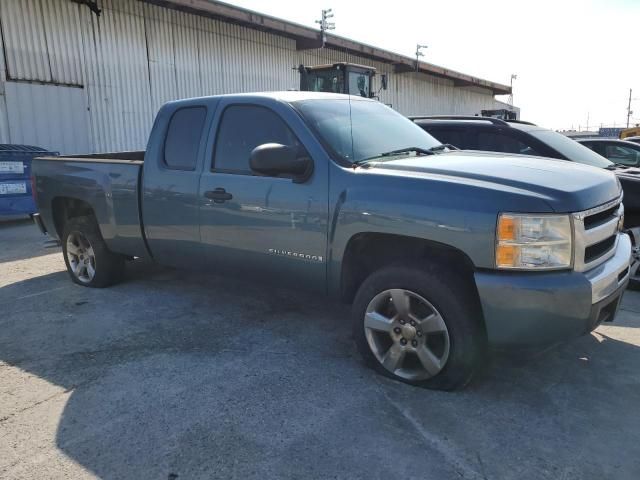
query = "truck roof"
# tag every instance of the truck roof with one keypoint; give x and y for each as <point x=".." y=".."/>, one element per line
<point x="339" y="64"/>
<point x="286" y="96"/>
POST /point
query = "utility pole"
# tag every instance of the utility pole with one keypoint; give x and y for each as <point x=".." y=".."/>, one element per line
<point x="510" y="101"/>
<point x="419" y="54"/>
<point x="587" y="121"/>
<point x="629" y="112"/>
<point x="325" y="24"/>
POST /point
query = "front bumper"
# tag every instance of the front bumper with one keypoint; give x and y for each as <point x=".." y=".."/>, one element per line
<point x="535" y="308"/>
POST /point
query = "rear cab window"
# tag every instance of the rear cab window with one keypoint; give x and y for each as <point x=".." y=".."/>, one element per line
<point x="183" y="138"/>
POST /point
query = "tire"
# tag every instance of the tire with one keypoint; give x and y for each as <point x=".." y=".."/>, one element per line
<point x="634" y="271"/>
<point x="89" y="262"/>
<point x="446" y="333"/>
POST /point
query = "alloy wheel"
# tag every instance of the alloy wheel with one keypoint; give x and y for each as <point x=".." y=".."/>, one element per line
<point x="81" y="257"/>
<point x="407" y="334"/>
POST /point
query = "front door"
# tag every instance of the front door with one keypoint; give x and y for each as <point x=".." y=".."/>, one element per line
<point x="260" y="225"/>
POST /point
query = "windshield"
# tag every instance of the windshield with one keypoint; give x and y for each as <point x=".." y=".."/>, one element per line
<point x="359" y="129"/>
<point x="570" y="148"/>
<point x="325" y="81"/>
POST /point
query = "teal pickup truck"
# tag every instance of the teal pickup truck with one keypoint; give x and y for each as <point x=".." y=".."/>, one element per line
<point x="441" y="253"/>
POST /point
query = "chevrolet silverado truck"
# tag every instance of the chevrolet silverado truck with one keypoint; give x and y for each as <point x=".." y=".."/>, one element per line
<point x="441" y="253"/>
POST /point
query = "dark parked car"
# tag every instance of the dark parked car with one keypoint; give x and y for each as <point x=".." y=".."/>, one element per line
<point x="516" y="136"/>
<point x="617" y="151"/>
<point x="507" y="136"/>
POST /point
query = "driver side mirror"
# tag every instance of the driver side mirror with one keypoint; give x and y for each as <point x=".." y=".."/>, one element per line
<point x="274" y="159"/>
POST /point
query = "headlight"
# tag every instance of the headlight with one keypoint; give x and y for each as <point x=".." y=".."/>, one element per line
<point x="533" y="242"/>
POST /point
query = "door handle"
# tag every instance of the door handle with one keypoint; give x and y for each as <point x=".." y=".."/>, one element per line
<point x="219" y="195"/>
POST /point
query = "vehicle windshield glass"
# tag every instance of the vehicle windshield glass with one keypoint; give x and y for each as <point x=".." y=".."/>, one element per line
<point x="570" y="148"/>
<point x="360" y="129"/>
<point x="325" y="81"/>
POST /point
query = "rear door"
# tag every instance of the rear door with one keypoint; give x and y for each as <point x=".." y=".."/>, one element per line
<point x="171" y="180"/>
<point x="262" y="225"/>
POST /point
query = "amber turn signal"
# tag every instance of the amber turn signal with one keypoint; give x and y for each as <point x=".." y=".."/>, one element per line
<point x="506" y="255"/>
<point x="506" y="228"/>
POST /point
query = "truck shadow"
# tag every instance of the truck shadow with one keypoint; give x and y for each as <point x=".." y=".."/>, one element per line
<point x="175" y="373"/>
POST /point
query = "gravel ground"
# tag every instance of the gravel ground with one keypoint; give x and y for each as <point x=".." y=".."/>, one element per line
<point x="181" y="375"/>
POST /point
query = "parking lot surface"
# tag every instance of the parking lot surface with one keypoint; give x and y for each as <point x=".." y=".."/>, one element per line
<point x="184" y="375"/>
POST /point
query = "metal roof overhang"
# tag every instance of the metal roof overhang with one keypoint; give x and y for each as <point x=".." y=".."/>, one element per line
<point x="309" y="38"/>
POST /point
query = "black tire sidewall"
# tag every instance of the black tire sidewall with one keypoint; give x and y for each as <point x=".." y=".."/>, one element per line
<point x="109" y="266"/>
<point x="457" y="304"/>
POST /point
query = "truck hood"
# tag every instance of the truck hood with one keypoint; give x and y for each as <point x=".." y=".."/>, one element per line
<point x="565" y="186"/>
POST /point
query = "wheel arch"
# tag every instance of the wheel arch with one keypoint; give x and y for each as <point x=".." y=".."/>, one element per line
<point x="65" y="208"/>
<point x="367" y="252"/>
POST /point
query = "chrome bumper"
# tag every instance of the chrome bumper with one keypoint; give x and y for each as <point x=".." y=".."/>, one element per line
<point x="607" y="277"/>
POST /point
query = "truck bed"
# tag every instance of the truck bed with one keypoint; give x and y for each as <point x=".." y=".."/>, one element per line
<point x="106" y="182"/>
<point x="109" y="157"/>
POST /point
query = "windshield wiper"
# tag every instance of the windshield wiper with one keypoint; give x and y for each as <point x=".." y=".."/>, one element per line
<point x="400" y="151"/>
<point x="418" y="150"/>
<point x="444" y="146"/>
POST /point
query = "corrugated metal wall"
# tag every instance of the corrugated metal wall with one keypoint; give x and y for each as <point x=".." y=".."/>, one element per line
<point x="136" y="56"/>
<point x="50" y="116"/>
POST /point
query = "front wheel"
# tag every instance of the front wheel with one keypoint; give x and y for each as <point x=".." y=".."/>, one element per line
<point x="89" y="262"/>
<point x="419" y="327"/>
<point x="634" y="271"/>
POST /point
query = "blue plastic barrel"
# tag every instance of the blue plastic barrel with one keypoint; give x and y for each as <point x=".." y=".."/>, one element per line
<point x="15" y="178"/>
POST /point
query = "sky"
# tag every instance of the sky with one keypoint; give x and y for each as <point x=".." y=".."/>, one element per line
<point x="575" y="59"/>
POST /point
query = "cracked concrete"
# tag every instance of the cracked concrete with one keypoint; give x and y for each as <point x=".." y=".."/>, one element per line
<point x="183" y="375"/>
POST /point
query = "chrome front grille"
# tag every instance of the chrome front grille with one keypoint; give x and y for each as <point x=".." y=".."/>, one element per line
<point x="596" y="234"/>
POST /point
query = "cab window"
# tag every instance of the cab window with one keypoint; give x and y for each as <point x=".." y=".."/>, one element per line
<point x="243" y="128"/>
<point x="358" y="84"/>
<point x="183" y="138"/>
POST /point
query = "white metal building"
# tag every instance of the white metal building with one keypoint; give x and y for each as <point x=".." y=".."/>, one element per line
<point x="75" y="81"/>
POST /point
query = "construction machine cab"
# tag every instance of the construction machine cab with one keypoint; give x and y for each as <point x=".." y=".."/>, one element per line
<point x="501" y="113"/>
<point x="343" y="77"/>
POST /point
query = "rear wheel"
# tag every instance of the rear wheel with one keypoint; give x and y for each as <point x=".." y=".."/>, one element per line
<point x="420" y="328"/>
<point x="88" y="260"/>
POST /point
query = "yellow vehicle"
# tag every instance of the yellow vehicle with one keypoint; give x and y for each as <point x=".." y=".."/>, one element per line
<point x="630" y="132"/>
